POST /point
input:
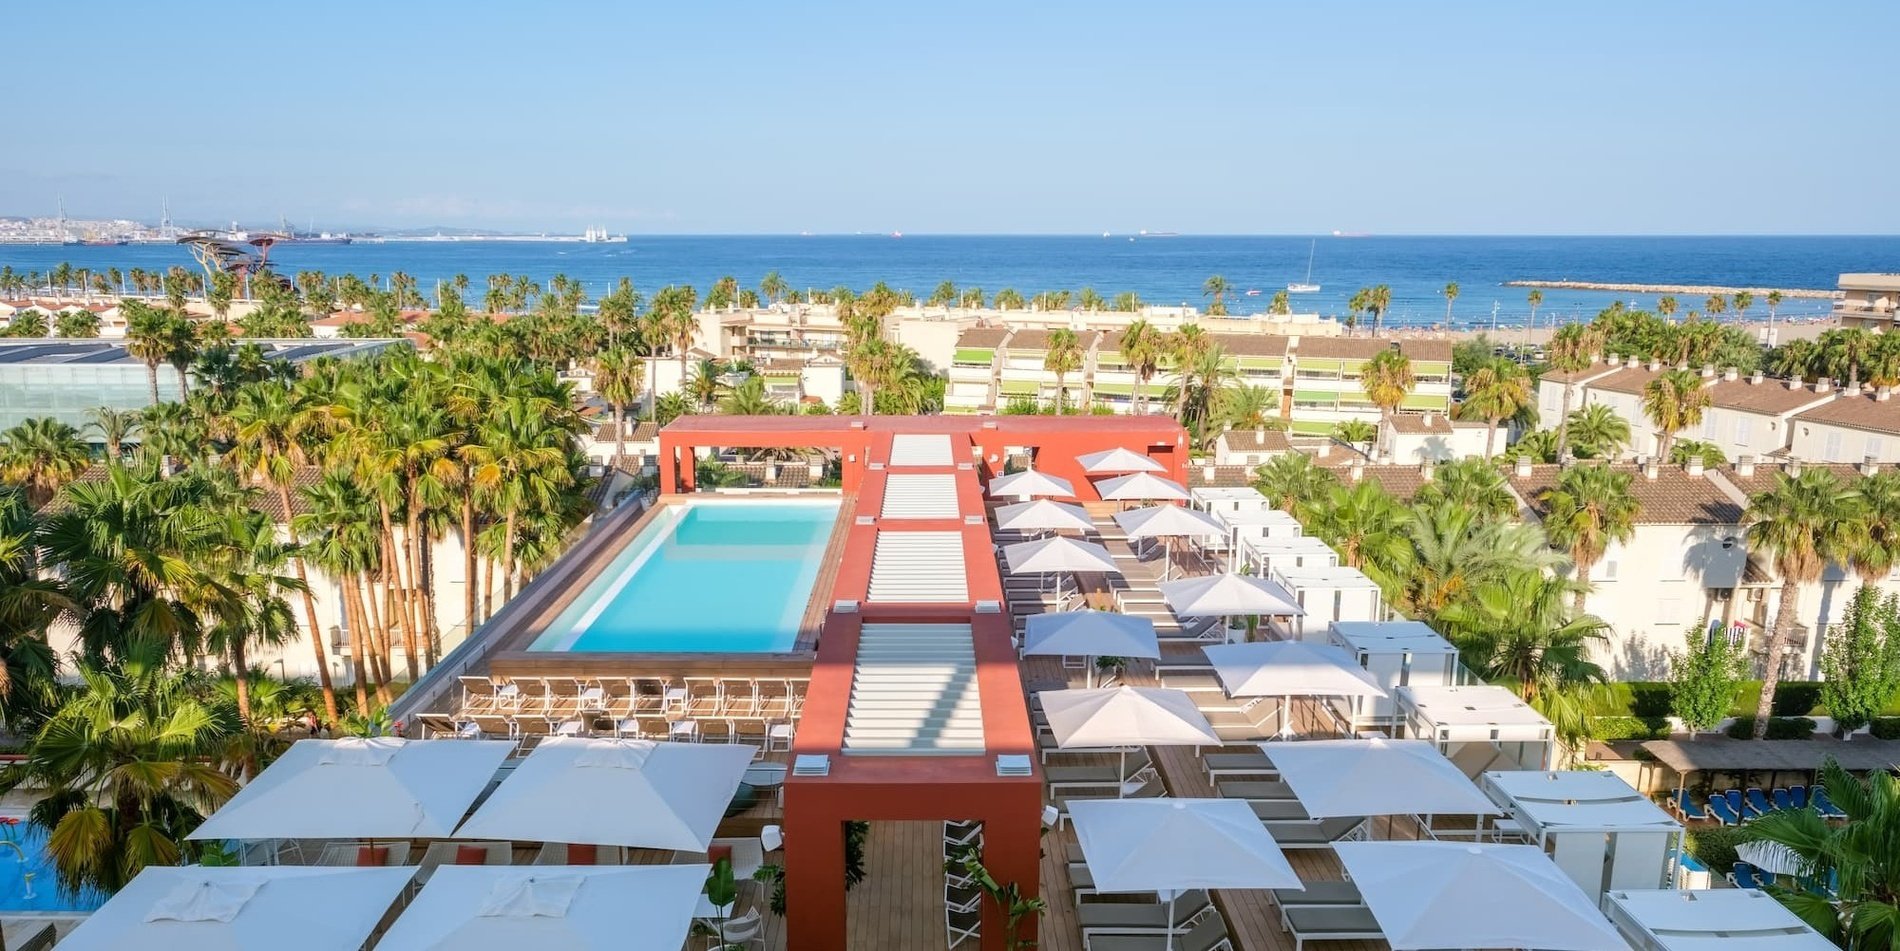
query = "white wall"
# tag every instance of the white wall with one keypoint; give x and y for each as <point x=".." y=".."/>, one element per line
<point x="1823" y="442"/>
<point x="1654" y="588"/>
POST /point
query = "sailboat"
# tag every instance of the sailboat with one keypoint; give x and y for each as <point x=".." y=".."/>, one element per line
<point x="1307" y="286"/>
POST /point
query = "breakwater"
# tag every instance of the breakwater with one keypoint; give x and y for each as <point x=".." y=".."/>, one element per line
<point x="1759" y="292"/>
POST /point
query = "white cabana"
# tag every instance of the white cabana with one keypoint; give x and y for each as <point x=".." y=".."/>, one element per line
<point x="279" y="907"/>
<point x="1170" y="845"/>
<point x="570" y="908"/>
<point x="1481" y="727"/>
<point x="1376" y="777"/>
<point x="1218" y="499"/>
<point x="1337" y="593"/>
<point x="1058" y="555"/>
<point x="1168" y="522"/>
<point x="1398" y="654"/>
<point x="1289" y="669"/>
<point x="1090" y="634"/>
<point x="1597" y="828"/>
<point x="1473" y="896"/>
<point x="1116" y="461"/>
<point x="1721" y="919"/>
<point x="1141" y="487"/>
<point x="632" y="793"/>
<point x="1031" y="484"/>
<point x="1120" y="717"/>
<point x="379" y="788"/>
<point x="1260" y="556"/>
<point x="1043" y="515"/>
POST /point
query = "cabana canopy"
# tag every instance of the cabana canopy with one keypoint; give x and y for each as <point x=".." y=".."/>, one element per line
<point x="1475" y="896"/>
<point x="633" y="793"/>
<point x="1227" y="595"/>
<point x="1057" y="554"/>
<point x="1722" y="919"/>
<point x="380" y="788"/>
<point x="1090" y="634"/>
<point x="1289" y="669"/>
<point x="1376" y="778"/>
<point x="572" y="908"/>
<point x="279" y="907"/>
<point x="1142" y="487"/>
<point x="1031" y="484"/>
<point x="1576" y="801"/>
<point x="1118" y="460"/>
<point x="1125" y="716"/>
<point x="1169" y="521"/>
<point x="1043" y="515"/>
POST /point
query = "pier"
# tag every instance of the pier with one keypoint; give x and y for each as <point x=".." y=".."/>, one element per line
<point x="1678" y="289"/>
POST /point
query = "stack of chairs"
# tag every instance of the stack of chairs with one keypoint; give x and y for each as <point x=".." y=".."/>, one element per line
<point x="962" y="896"/>
<point x="761" y="711"/>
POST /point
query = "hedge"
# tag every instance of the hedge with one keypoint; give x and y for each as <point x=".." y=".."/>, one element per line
<point x="1609" y="729"/>
<point x="1887" y="728"/>
<point x="1779" y="728"/>
<point x="1649" y="698"/>
<point x="1714" y="846"/>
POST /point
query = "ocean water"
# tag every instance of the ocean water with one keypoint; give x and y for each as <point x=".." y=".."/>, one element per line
<point x="1163" y="270"/>
<point x="723" y="576"/>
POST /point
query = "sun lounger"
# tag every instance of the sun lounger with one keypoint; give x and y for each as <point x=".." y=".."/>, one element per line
<point x="1313" y="835"/>
<point x="1246" y="789"/>
<point x="1744" y="875"/>
<point x="1152" y="789"/>
<point x="556" y="853"/>
<point x="1318" y="895"/>
<point x="1757" y="803"/>
<point x="1220" y="766"/>
<point x="1139" y="918"/>
<point x="1111" y="776"/>
<point x="1781" y="798"/>
<point x="346" y="854"/>
<point x="1817" y="797"/>
<point x="1339" y="923"/>
<point x="1722" y="811"/>
<point x="1278" y="810"/>
<point x="450" y="853"/>
<point x="1800" y="796"/>
<point x="1734" y="797"/>
<point x="1687" y="808"/>
<point x="1208" y="934"/>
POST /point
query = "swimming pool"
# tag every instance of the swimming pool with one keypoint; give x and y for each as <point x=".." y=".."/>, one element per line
<point x="724" y="576"/>
<point x="40" y="892"/>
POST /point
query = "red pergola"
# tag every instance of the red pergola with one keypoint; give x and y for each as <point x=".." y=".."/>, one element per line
<point x="915" y="787"/>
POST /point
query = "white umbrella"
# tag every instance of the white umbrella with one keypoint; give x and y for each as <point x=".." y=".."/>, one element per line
<point x="1226" y="596"/>
<point x="1043" y="515"/>
<point x="572" y="908"/>
<point x="1170" y="845"/>
<point x="1089" y="634"/>
<point x="1029" y="484"/>
<point x="633" y="793"/>
<point x="380" y="788"/>
<point x="1056" y="555"/>
<point x="280" y="907"/>
<point x="1116" y="461"/>
<point x="1377" y="777"/>
<point x="1285" y="669"/>
<point x="1125" y="716"/>
<point x="1169" y="521"/>
<point x="1141" y="487"/>
<point x="1470" y="895"/>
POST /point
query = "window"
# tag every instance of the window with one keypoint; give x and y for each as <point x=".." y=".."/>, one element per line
<point x="1873" y="447"/>
<point x="1669" y="611"/>
<point x="1708" y="425"/>
<point x="1741" y="430"/>
<point x="1833" y="451"/>
<point x="1609" y="571"/>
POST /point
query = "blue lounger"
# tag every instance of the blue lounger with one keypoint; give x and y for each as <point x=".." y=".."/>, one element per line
<point x="1823" y="805"/>
<point x="1723" y="812"/>
<point x="1743" y="876"/>
<point x="1781" y="799"/>
<point x="1800" y="796"/>
<point x="1687" y="808"/>
<point x="1757" y="803"/>
<point x="1734" y="797"/>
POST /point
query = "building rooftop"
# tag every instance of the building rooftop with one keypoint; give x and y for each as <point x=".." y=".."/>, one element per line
<point x="1253" y="345"/>
<point x="991" y="337"/>
<point x="1763" y="476"/>
<point x="1673" y="497"/>
<point x="1365" y="348"/>
<point x="1859" y="411"/>
<point x="1036" y="339"/>
<point x="1256" y="440"/>
<point x="84" y="352"/>
<point x="1772" y="397"/>
<point x="1629" y="380"/>
<point x="1425" y="424"/>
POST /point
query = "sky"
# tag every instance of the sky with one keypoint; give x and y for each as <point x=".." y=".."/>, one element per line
<point x="729" y="116"/>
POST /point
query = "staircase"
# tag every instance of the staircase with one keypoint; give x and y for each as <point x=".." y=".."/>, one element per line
<point x="914" y="693"/>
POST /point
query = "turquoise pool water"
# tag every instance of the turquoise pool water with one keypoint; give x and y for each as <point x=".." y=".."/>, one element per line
<point x="42" y="893"/>
<point x="720" y="576"/>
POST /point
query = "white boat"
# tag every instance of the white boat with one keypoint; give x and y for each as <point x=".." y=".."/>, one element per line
<point x="1307" y="286"/>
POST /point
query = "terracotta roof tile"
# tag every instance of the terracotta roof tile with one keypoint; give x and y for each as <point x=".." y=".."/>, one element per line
<point x="1339" y="348"/>
<point x="1032" y="339"/>
<point x="1772" y="397"/>
<point x="1627" y="380"/>
<point x="1253" y="345"/>
<point x="1857" y="412"/>
<point x="1764" y="475"/>
<point x="1250" y="440"/>
<point x="1674" y="497"/>
<point x="642" y="432"/>
<point x="1222" y="476"/>
<point x="991" y="337"/>
<point x="1420" y="424"/>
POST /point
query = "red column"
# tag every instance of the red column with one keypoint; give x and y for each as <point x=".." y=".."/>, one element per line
<point x="668" y="461"/>
<point x="688" y="468"/>
<point x="1012" y="853"/>
<point x="814" y="871"/>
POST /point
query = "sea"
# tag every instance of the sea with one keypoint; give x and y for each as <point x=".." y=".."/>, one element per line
<point x="1163" y="269"/>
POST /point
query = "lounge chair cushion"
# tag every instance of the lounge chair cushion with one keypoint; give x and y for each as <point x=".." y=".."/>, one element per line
<point x="372" y="856"/>
<point x="1355" y="920"/>
<point x="716" y="853"/>
<point x="471" y="855"/>
<point x="581" y="855"/>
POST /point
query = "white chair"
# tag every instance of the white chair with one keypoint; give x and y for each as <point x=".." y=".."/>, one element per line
<point x="740" y="930"/>
<point x="961" y="926"/>
<point x="1050" y="816"/>
<point x="772" y="838"/>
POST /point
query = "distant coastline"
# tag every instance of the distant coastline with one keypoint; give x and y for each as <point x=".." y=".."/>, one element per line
<point x="1677" y="289"/>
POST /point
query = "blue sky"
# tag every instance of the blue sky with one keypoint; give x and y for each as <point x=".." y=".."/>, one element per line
<point x="1011" y="117"/>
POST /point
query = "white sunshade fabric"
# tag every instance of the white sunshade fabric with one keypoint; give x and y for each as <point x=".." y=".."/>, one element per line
<point x="1117" y="461"/>
<point x="378" y="788"/>
<point x="573" y="908"/>
<point x="1169" y="845"/>
<point x="633" y="793"/>
<point x="1043" y="515"/>
<point x="1290" y="669"/>
<point x="1090" y="634"/>
<point x="1474" y="895"/>
<point x="1169" y="521"/>
<point x="1060" y="553"/>
<point x="281" y="907"/>
<point x="1717" y="919"/>
<point x="1376" y="777"/>
<point x="1031" y="484"/>
<point x="1141" y="487"/>
<point x="1578" y="801"/>
<point x="1227" y="595"/>
<point x="1123" y="716"/>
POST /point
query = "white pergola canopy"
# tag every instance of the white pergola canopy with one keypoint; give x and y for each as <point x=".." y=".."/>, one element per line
<point x="1602" y="832"/>
<point x="1169" y="521"/>
<point x="1721" y="919"/>
<point x="1227" y="595"/>
<point x="570" y="908"/>
<point x="1118" y="460"/>
<point x="380" y="788"/>
<point x="1434" y="895"/>
<point x="281" y="907"/>
<point x="633" y="793"/>
<point x="1141" y="487"/>
<point x="1058" y="554"/>
<point x="1125" y="716"/>
<point x="1376" y="778"/>
<point x="1089" y="634"/>
<point x="1461" y="717"/>
<point x="1043" y="515"/>
<point x="1030" y="484"/>
<point x="1289" y="669"/>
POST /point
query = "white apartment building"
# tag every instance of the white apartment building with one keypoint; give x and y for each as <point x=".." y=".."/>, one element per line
<point x="1868" y="300"/>
<point x="1849" y="429"/>
<point x="1327" y="384"/>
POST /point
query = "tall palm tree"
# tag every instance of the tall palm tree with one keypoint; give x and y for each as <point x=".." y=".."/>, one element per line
<point x="147" y="339"/>
<point x="1293" y="482"/>
<point x="1588" y="510"/>
<point x="1800" y="523"/>
<point x="672" y="316"/>
<point x="1063" y="357"/>
<point x="1597" y="432"/>
<point x="1142" y="349"/>
<point x="1674" y="401"/>
<point x="29" y="602"/>
<point x="1387" y="380"/>
<point x="1573" y="348"/>
<point x="1495" y="392"/>
<point x="41" y="455"/>
<point x="339" y="537"/>
<point x="1742" y="301"/>
<point x="1367" y="525"/>
<point x="1716" y="305"/>
<point x="773" y="287"/>
<point x="1217" y="288"/>
<point x="521" y="461"/>
<point x="749" y="399"/>
<point x="1535" y="298"/>
<point x="1877" y="501"/>
<point x="1451" y="294"/>
<point x="1666" y="306"/>
<point x="1774" y="301"/>
<point x="1378" y="301"/>
<point x="617" y="373"/>
<point x="1471" y="484"/>
<point x="1455" y="549"/>
<point x="1517" y="628"/>
<point x="1860" y="907"/>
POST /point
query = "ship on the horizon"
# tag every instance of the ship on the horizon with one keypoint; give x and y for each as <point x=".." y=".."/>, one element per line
<point x="321" y="237"/>
<point x="600" y="236"/>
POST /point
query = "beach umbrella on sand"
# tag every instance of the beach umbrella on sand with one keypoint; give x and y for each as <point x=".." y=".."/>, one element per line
<point x="1057" y="555"/>
<point x="1125" y="716"/>
<point x="1169" y="522"/>
<point x="1170" y="845"/>
<point x="1141" y="487"/>
<point x="1031" y="484"/>
<point x="1043" y="515"/>
<point x="1118" y="461"/>
<point x="1090" y="634"/>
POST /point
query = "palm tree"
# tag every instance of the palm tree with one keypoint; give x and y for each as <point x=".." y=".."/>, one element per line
<point x="1708" y="453"/>
<point x="1588" y="510"/>
<point x="1354" y="432"/>
<point x="41" y="455"/>
<point x="773" y="287"/>
<point x="1518" y="629"/>
<point x="1471" y="484"/>
<point x="1293" y="482"/>
<point x="1142" y="348"/>
<point x="1674" y="401"/>
<point x="1800" y="524"/>
<point x="1495" y="392"/>
<point x="1451" y="294"/>
<point x="77" y="323"/>
<point x="1774" y="301"/>
<point x="1367" y="526"/>
<point x="1742" y="301"/>
<point x="1063" y="357"/>
<point x="29" y="603"/>
<point x="1387" y="379"/>
<point x="1455" y="549"/>
<point x="1716" y="305"/>
<point x="147" y="339"/>
<point x="1250" y="407"/>
<point x="521" y="461"/>
<point x="1378" y="301"/>
<point x="1572" y="350"/>
<point x="617" y="375"/>
<point x="1666" y="306"/>
<point x="1877" y="499"/>
<point x="673" y="322"/>
<point x="749" y="399"/>
<point x="1860" y="907"/>
<point x="1596" y="432"/>
<point x="1217" y="288"/>
<point x="340" y="538"/>
<point x="1536" y="298"/>
<point x="1281" y="304"/>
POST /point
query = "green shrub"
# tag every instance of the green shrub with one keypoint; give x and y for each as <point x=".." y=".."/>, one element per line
<point x="1714" y="846"/>
<point x="1643" y="698"/>
<point x="1886" y="728"/>
<point x="1779" y="728"/>
<point x="1608" y="729"/>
